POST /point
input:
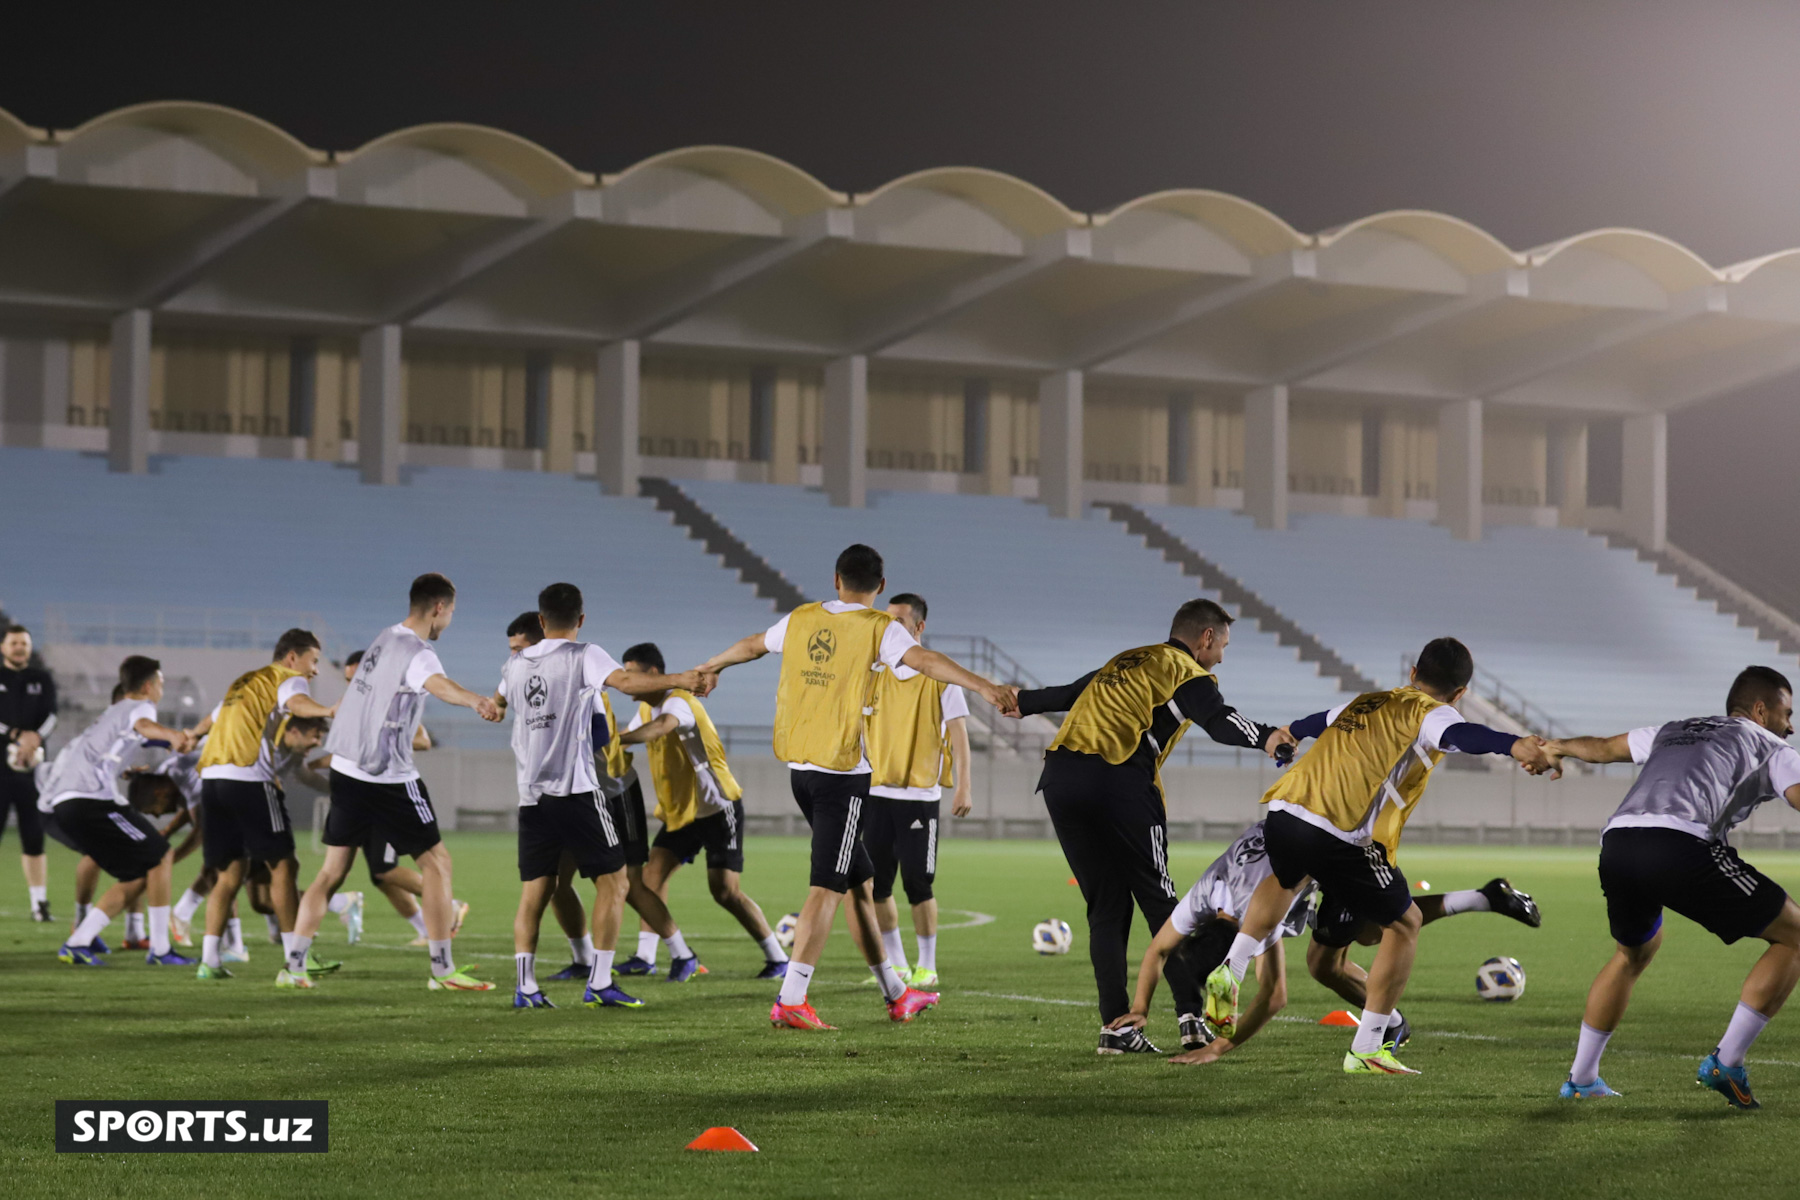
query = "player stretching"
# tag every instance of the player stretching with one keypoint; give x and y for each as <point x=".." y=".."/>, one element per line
<point x="550" y="689"/>
<point x="81" y="790"/>
<point x="1207" y="919"/>
<point x="918" y="738"/>
<point x="244" y="818"/>
<point x="27" y="715"/>
<point x="819" y="701"/>
<point x="1374" y="752"/>
<point x="1665" y="847"/>
<point x="374" y="785"/>
<point x="700" y="805"/>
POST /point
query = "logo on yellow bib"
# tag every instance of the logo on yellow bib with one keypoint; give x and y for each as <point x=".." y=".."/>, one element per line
<point x="821" y="646"/>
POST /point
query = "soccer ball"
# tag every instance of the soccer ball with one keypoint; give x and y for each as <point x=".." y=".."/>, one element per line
<point x="1500" y="979"/>
<point x="786" y="928"/>
<point x="1052" y="937"/>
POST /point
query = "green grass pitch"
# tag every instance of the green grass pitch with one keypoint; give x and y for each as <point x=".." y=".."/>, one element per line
<point x="997" y="1092"/>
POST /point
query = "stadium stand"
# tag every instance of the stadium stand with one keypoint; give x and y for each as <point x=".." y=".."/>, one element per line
<point x="1060" y="596"/>
<point x="266" y="534"/>
<point x="1591" y="634"/>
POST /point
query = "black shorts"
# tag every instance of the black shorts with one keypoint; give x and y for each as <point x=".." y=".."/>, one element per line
<point x="243" y="819"/>
<point x="1334" y="925"/>
<point x="635" y="829"/>
<point x="833" y="806"/>
<point x="381" y="856"/>
<point x="720" y="835"/>
<point x="1642" y="871"/>
<point x="18" y="793"/>
<point x="902" y="838"/>
<point x="587" y="827"/>
<point x="400" y="812"/>
<point x="1359" y="878"/>
<point x="121" y="840"/>
<point x="55" y="832"/>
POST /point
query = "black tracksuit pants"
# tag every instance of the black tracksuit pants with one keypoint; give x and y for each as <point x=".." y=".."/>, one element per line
<point x="1111" y="823"/>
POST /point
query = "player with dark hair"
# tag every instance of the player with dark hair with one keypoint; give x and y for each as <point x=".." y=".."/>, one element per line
<point x="1102" y="783"/>
<point x="1665" y="847"/>
<point x="830" y="652"/>
<point x="550" y="690"/>
<point x="374" y="786"/>
<point x="701" y="808"/>
<point x="81" y="788"/>
<point x="27" y="716"/>
<point x="1337" y="813"/>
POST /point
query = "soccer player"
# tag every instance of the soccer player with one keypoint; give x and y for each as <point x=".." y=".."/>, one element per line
<point x="1373" y="753"/>
<point x="1102" y="783"/>
<point x="243" y="810"/>
<point x="700" y="805"/>
<point x="376" y="788"/>
<point x="1206" y="920"/>
<point x="81" y="788"/>
<point x="27" y="715"/>
<point x="832" y="649"/>
<point x="918" y="738"/>
<point x="550" y="688"/>
<point x="1665" y="847"/>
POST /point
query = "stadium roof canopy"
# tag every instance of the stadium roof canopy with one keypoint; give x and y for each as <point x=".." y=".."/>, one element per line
<point x="206" y="216"/>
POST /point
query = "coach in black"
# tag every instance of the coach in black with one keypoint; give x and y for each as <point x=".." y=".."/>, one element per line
<point x="27" y="715"/>
<point x="1103" y="787"/>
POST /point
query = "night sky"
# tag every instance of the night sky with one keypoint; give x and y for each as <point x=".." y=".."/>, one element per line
<point x="1535" y="119"/>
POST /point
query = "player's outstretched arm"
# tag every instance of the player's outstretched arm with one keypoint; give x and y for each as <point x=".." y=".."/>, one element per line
<point x="744" y="650"/>
<point x="303" y="705"/>
<point x="1059" y="698"/>
<point x="452" y="692"/>
<point x="935" y="665"/>
<point x="1591" y="749"/>
<point x="663" y="726"/>
<point x="1271" y="998"/>
<point x="180" y="740"/>
<point x="648" y="683"/>
<point x="1149" y="971"/>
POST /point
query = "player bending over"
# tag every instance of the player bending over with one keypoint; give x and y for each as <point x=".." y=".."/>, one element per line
<point x="1376" y="752"/>
<point x="1665" y="847"/>
<point x="699" y="803"/>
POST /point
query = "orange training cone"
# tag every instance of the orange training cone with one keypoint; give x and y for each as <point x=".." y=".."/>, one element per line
<point x="722" y="1137"/>
<point x="1073" y="881"/>
<point x="1341" y="1019"/>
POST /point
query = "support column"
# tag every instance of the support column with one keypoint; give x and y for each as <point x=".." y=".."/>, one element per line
<point x="381" y="403"/>
<point x="35" y="389"/>
<point x="845" y="417"/>
<point x="1645" y="486"/>
<point x="996" y="465"/>
<point x="784" y="428"/>
<point x="1060" y="443"/>
<point x="1390" y="489"/>
<point x="1568" y="472"/>
<point x="1192" y="430"/>
<point x="128" y="433"/>
<point x="1266" y="456"/>
<point x="1459" y="469"/>
<point x="617" y="398"/>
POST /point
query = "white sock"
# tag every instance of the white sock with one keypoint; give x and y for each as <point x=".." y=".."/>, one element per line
<point x="525" y="966"/>
<point x="647" y="944"/>
<point x="794" y="983"/>
<point x="677" y="946"/>
<point x="1588" y="1049"/>
<point x="338" y="903"/>
<point x="189" y="904"/>
<point x="600" y="970"/>
<point x="90" y="926"/>
<point x="1746" y="1023"/>
<point x="1243" y="949"/>
<point x="927" y="951"/>
<point x="892" y="986"/>
<point x="1371" y="1031"/>
<point x="296" y="948"/>
<point x="772" y="949"/>
<point x="442" y="963"/>
<point x="134" y="927"/>
<point x="582" y="949"/>
<point x="417" y="921"/>
<point x="896" y="949"/>
<point x="159" y="930"/>
<point x="1469" y="900"/>
<point x="1394" y="1021"/>
<point x="274" y="926"/>
<point x="209" y="950"/>
<point x="234" y="935"/>
<point x="39" y="895"/>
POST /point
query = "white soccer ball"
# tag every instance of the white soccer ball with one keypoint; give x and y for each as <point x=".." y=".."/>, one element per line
<point x="1500" y="979"/>
<point x="1052" y="937"/>
<point x="786" y="928"/>
<point x="18" y="760"/>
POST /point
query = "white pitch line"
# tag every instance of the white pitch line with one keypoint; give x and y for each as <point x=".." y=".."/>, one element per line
<point x="1029" y="999"/>
<point x="974" y="919"/>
